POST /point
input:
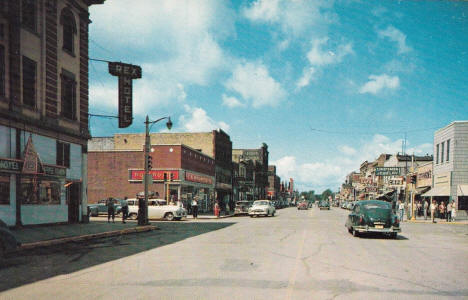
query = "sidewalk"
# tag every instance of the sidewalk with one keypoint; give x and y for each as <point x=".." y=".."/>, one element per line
<point x="42" y="236"/>
<point x="438" y="221"/>
<point x="209" y="217"/>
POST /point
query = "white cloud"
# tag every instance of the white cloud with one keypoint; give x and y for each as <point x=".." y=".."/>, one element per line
<point x="377" y="83"/>
<point x="319" y="58"/>
<point x="347" y="150"/>
<point x="178" y="40"/>
<point x="253" y="82"/>
<point x="295" y="18"/>
<point x="232" y="101"/>
<point x="397" y="36"/>
<point x="198" y="120"/>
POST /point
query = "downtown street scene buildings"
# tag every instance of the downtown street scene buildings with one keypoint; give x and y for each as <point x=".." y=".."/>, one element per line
<point x="411" y="178"/>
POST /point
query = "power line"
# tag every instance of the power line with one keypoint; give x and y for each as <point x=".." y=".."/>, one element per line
<point x="372" y="133"/>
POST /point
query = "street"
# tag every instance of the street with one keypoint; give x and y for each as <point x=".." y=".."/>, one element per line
<point x="295" y="255"/>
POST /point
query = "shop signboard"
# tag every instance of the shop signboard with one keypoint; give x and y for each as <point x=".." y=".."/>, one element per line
<point x="198" y="178"/>
<point x="16" y="166"/>
<point x="387" y="171"/>
<point x="158" y="175"/>
<point x="424" y="176"/>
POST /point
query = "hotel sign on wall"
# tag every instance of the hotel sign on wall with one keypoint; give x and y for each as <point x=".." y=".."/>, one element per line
<point x="158" y="175"/>
<point x="126" y="73"/>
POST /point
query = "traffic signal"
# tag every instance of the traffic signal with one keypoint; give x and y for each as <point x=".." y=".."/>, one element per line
<point x="172" y="176"/>
<point x="413" y="179"/>
<point x="150" y="162"/>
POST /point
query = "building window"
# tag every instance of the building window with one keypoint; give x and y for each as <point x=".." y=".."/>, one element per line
<point x="67" y="19"/>
<point x="63" y="154"/>
<point x="2" y="71"/>
<point x="4" y="189"/>
<point x="29" y="82"/>
<point x="68" y="95"/>
<point x="448" y="151"/>
<point x="442" y="152"/>
<point x="29" y="14"/>
<point x="437" y="154"/>
<point x="39" y="191"/>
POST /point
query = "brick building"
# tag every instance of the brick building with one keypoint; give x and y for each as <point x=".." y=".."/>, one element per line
<point x="274" y="184"/>
<point x="215" y="144"/>
<point x="43" y="104"/>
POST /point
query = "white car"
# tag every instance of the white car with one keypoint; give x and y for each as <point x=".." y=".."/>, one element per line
<point x="157" y="209"/>
<point x="262" y="208"/>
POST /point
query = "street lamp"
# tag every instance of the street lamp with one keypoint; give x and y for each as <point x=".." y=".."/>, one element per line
<point x="143" y="217"/>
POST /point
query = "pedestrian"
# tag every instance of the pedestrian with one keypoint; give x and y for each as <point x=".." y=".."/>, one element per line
<point x="401" y="210"/>
<point x="216" y="209"/>
<point x="449" y="212"/>
<point x="425" y="208"/>
<point x="195" y="207"/>
<point x="124" y="210"/>
<point x="419" y="207"/>
<point x="433" y="210"/>
<point x="454" y="211"/>
<point x="442" y="210"/>
<point x="110" y="210"/>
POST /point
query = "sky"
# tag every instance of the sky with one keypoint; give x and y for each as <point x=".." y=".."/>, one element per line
<point x="325" y="84"/>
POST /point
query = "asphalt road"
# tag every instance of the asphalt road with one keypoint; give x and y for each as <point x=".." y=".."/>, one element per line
<point x="294" y="255"/>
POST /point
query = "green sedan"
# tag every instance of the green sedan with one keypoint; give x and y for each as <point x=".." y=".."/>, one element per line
<point x="373" y="216"/>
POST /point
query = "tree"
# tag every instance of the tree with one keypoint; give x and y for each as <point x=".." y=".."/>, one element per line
<point x="326" y="194"/>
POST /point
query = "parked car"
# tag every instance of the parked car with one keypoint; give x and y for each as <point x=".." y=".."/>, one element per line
<point x="262" y="208"/>
<point x="157" y="209"/>
<point x="373" y="216"/>
<point x="242" y="207"/>
<point x="303" y="205"/>
<point x="8" y="242"/>
<point x="100" y="208"/>
<point x="324" y="204"/>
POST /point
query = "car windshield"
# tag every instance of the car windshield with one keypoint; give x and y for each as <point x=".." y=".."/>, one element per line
<point x="376" y="206"/>
<point x="261" y="203"/>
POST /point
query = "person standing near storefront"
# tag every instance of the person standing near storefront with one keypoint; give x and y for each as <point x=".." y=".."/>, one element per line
<point x="110" y="210"/>
<point x="454" y="211"/>
<point x="433" y="210"/>
<point x="124" y="210"/>
<point x="425" y="208"/>
<point x="449" y="212"/>
<point x="216" y="209"/>
<point x="195" y="207"/>
<point x="442" y="210"/>
<point x="401" y="210"/>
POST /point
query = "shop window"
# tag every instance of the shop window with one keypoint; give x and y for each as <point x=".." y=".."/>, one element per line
<point x="29" y="14"/>
<point x="463" y="202"/>
<point x="442" y="152"/>
<point x="29" y="82"/>
<point x="448" y="151"/>
<point x="68" y="95"/>
<point x="39" y="191"/>
<point x="4" y="189"/>
<point x="63" y="154"/>
<point x="2" y="71"/>
<point x="67" y="19"/>
<point x="437" y="154"/>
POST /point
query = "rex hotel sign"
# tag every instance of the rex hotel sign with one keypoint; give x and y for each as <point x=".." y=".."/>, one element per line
<point x="126" y="73"/>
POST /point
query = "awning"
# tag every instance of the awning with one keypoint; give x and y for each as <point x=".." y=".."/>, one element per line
<point x="438" y="191"/>
<point x="422" y="190"/>
<point x="462" y="190"/>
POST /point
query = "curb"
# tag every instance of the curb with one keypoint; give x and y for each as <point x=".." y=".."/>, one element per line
<point x="47" y="243"/>
<point x="429" y="222"/>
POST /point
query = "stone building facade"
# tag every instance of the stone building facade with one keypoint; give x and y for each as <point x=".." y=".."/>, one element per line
<point x="43" y="104"/>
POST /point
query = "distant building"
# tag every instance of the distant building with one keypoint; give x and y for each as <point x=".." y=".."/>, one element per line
<point x="450" y="166"/>
<point x="274" y="184"/>
<point x="43" y="110"/>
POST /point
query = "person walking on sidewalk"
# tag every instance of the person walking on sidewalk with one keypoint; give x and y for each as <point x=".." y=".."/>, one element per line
<point x="110" y="210"/>
<point x="401" y="210"/>
<point x="216" y="209"/>
<point x="454" y="211"/>
<point x="442" y="210"/>
<point x="433" y="210"/>
<point x="124" y="210"/>
<point x="425" y="208"/>
<point x="449" y="212"/>
<point x="195" y="207"/>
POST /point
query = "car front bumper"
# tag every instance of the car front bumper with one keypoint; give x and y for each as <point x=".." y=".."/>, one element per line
<point x="257" y="213"/>
<point x="374" y="229"/>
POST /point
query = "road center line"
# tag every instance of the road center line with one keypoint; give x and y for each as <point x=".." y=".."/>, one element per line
<point x="292" y="279"/>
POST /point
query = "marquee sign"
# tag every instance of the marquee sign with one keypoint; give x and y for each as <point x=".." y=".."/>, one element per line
<point x="387" y="171"/>
<point x="158" y="175"/>
<point x="126" y="73"/>
<point x="198" y="178"/>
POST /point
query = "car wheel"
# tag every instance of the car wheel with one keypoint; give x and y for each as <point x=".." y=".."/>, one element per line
<point x="133" y="216"/>
<point x="169" y="216"/>
<point x="355" y="233"/>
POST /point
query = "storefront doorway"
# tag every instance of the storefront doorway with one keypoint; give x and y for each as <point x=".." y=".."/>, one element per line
<point x="73" y="200"/>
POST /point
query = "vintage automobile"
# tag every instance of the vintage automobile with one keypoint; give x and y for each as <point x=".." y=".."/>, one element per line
<point x="373" y="216"/>
<point x="303" y="205"/>
<point x="157" y="209"/>
<point x="324" y="204"/>
<point x="262" y="208"/>
<point x="100" y="208"/>
<point x="242" y="207"/>
<point x="8" y="242"/>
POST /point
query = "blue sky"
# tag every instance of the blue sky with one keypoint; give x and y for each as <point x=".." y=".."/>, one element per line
<point x="326" y="84"/>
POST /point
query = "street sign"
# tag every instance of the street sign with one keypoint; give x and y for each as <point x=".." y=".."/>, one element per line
<point x="387" y="171"/>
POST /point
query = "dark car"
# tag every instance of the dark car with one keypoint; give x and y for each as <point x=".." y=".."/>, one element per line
<point x="324" y="204"/>
<point x="101" y="207"/>
<point x="8" y="242"/>
<point x="373" y="216"/>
